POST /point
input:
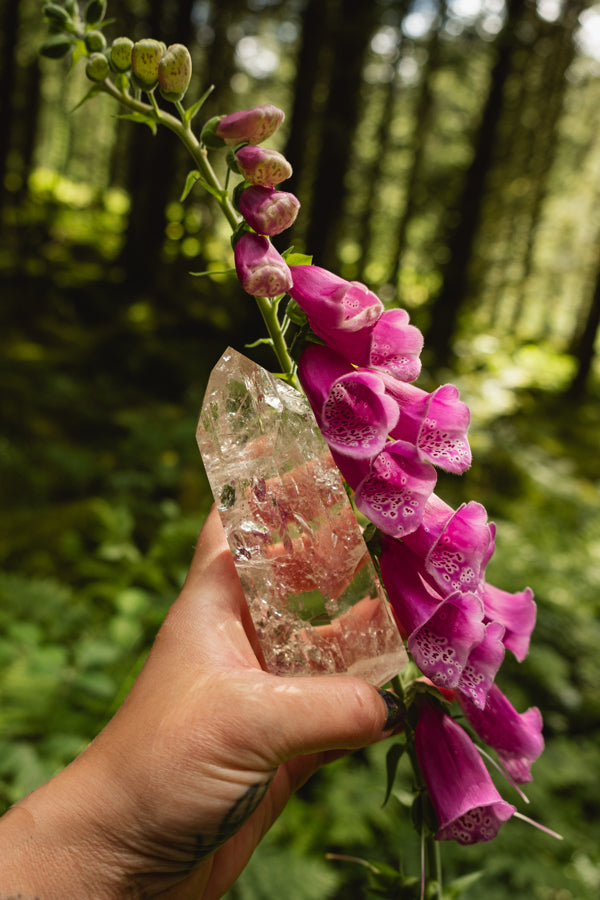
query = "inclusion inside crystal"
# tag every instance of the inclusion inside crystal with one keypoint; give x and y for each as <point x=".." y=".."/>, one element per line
<point x="313" y="593"/>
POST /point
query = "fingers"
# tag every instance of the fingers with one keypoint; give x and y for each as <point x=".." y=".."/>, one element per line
<point x="319" y="714"/>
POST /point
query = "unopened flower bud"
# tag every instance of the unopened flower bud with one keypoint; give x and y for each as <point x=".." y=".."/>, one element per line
<point x="268" y="211"/>
<point x="252" y="125"/>
<point x="97" y="68"/>
<point x="262" y="271"/>
<point x="145" y="57"/>
<point x="209" y="136"/>
<point x="56" y="14"/>
<point x="120" y="54"/>
<point x="174" y="72"/>
<point x="260" y="165"/>
<point x="95" y="41"/>
<point x="56" y="46"/>
<point x="95" y="11"/>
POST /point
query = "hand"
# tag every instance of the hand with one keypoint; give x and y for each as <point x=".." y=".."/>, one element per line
<point x="175" y="793"/>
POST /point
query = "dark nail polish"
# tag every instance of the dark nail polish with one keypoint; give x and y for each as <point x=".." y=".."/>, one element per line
<point x="395" y="709"/>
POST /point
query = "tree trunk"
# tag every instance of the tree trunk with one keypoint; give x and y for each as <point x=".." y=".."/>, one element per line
<point x="353" y="29"/>
<point x="153" y="169"/>
<point x="422" y="119"/>
<point x="8" y="70"/>
<point x="585" y="350"/>
<point x="305" y="121"/>
<point x="447" y="305"/>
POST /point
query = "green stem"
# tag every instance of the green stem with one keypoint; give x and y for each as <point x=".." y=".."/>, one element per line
<point x="198" y="153"/>
<point x="269" y="314"/>
<point x="434" y="864"/>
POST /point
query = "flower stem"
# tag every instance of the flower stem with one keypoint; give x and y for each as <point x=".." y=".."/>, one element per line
<point x="269" y="314"/>
<point x="198" y="153"/>
<point x="434" y="865"/>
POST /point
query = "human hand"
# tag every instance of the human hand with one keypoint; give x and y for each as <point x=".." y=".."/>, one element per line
<point x="175" y="793"/>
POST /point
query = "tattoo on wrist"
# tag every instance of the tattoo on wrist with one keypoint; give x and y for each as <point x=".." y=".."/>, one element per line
<point x="241" y="810"/>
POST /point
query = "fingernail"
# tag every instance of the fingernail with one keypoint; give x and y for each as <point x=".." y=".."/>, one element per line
<point x="395" y="716"/>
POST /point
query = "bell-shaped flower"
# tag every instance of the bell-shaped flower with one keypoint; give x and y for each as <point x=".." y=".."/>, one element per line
<point x="482" y="665"/>
<point x="467" y="805"/>
<point x="340" y="312"/>
<point x="353" y="411"/>
<point x="455" y="545"/>
<point x="260" y="165"/>
<point x="262" y="271"/>
<point x="395" y="346"/>
<point x="517" y="612"/>
<point x="441" y="633"/>
<point x="253" y="125"/>
<point x="268" y="211"/>
<point x="516" y="737"/>
<point x="435" y="423"/>
<point x="395" y="489"/>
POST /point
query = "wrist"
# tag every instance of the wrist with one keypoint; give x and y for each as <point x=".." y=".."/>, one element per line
<point x="56" y="843"/>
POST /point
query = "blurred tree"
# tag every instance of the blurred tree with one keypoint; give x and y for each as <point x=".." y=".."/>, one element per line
<point x="153" y="172"/>
<point x="464" y="219"/>
<point x="423" y="116"/>
<point x="350" y="32"/>
<point x="8" y="73"/>
<point x="585" y="345"/>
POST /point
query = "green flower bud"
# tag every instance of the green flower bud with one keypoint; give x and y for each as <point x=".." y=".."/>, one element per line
<point x="145" y="57"/>
<point x="71" y="7"/>
<point x="56" y="46"/>
<point x="120" y="54"/>
<point x="56" y="14"/>
<point x="209" y="136"/>
<point x="95" y="11"/>
<point x="95" y="41"/>
<point x="97" y="68"/>
<point x="174" y="72"/>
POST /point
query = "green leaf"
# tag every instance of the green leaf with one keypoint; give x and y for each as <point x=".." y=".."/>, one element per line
<point x="212" y="272"/>
<point x="258" y="343"/>
<point x="456" y="888"/>
<point x="393" y="757"/>
<point x="296" y="259"/>
<point x="95" y="89"/>
<point x="190" y="181"/>
<point x="140" y="117"/>
<point x="295" y="313"/>
<point x="197" y="106"/>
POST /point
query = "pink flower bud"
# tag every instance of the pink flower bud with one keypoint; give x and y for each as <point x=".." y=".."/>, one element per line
<point x="262" y="271"/>
<point x="262" y="166"/>
<point x="268" y="211"/>
<point x="252" y="125"/>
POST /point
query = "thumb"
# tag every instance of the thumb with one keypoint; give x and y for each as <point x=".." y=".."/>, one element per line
<point x="331" y="712"/>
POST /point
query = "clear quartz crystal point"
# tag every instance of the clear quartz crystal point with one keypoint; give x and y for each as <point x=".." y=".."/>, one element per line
<point x="313" y="593"/>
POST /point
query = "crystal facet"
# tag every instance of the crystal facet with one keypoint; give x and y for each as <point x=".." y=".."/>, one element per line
<point x="311" y="587"/>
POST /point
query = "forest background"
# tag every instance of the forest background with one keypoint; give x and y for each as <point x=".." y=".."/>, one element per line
<point x="446" y="153"/>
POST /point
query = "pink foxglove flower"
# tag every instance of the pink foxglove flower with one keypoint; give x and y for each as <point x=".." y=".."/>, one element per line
<point x="252" y="125"/>
<point x="354" y="413"/>
<point x="395" y="346"/>
<point x="395" y="489"/>
<point x="516" y="737"/>
<point x="340" y="312"/>
<point x="435" y="423"/>
<point x="482" y="666"/>
<point x="441" y="633"/>
<point x="268" y="211"/>
<point x="262" y="271"/>
<point x="259" y="165"/>
<point x="517" y="612"/>
<point x="468" y="807"/>
<point x="455" y="545"/>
